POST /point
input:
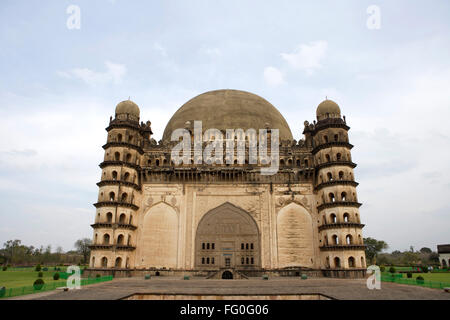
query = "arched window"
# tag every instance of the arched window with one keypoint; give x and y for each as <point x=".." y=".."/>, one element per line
<point x="337" y="262"/>
<point x="306" y="163"/>
<point x="298" y="163"/>
<point x="362" y="262"/>
<point x="126" y="176"/>
<point x="106" y="238"/>
<point x="349" y="239"/>
<point x="203" y="246"/>
<point x="96" y="238"/>
<point x="338" y="157"/>
<point x="325" y="240"/>
<point x="93" y="262"/>
<point x="331" y="196"/>
<point x="343" y="196"/>
<point x="118" y="262"/>
<point x="242" y="260"/>
<point x="341" y="175"/>
<point x="246" y="260"/>
<point x="212" y="260"/>
<point x="122" y="218"/>
<point x="335" y="240"/>
<point x="333" y="218"/>
<point x="360" y="239"/>
<point x="112" y="196"/>
<point x="157" y="162"/>
<point x="117" y="156"/>
<point x="325" y="138"/>
<point x="114" y="175"/>
<point x="129" y="157"/>
<point x="203" y="260"/>
<point x="346" y="217"/>
<point x="104" y="262"/>
<point x="252" y="260"/>
<point x="212" y="246"/>
<point x="357" y="218"/>
<point x="282" y="162"/>
<point x="124" y="197"/>
<point x="330" y="176"/>
<point x="251" y="246"/>
<point x="327" y="156"/>
<point x="119" y="137"/>
<point x="242" y="246"/>
<point x="336" y="137"/>
<point x="207" y="246"/>
<point x="109" y="216"/>
<point x="120" y="239"/>
<point x="130" y="138"/>
<point x="246" y="246"/>
<point x="207" y="260"/>
<point x="351" y="262"/>
<point x="327" y="262"/>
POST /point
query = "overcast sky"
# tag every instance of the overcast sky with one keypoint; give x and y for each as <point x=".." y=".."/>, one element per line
<point x="58" y="87"/>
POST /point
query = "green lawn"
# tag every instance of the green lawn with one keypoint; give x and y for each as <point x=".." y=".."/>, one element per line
<point x="14" y="279"/>
<point x="438" y="277"/>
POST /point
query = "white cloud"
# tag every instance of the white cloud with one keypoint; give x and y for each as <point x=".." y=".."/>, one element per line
<point x="158" y="47"/>
<point x="114" y="74"/>
<point x="307" y="57"/>
<point x="273" y="76"/>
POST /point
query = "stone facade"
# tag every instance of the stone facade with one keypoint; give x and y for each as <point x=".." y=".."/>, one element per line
<point x="153" y="214"/>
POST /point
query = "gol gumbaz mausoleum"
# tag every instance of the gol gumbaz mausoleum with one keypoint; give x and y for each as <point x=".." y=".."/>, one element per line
<point x="228" y="220"/>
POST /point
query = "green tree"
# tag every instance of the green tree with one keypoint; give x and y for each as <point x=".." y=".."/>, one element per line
<point x="82" y="246"/>
<point x="373" y="247"/>
<point x="425" y="250"/>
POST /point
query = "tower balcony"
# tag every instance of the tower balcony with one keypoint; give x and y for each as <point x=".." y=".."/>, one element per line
<point x="340" y="225"/>
<point x="112" y="247"/>
<point x="339" y="204"/>
<point x="335" y="163"/>
<point x="336" y="183"/>
<point x="110" y="225"/>
<point x="118" y="182"/>
<point x="116" y="204"/>
<point x="332" y="144"/>
<point x="123" y="145"/>
<point x="119" y="163"/>
<point x="343" y="247"/>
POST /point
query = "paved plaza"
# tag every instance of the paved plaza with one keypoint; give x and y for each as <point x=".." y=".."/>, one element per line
<point x="341" y="289"/>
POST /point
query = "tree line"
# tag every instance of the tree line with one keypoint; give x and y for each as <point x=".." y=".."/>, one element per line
<point x="423" y="257"/>
<point x="15" y="253"/>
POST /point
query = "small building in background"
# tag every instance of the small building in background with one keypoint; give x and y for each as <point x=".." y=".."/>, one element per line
<point x="444" y="255"/>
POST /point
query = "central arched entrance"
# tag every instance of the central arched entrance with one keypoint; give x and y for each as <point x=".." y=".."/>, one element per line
<point x="227" y="275"/>
<point x="227" y="237"/>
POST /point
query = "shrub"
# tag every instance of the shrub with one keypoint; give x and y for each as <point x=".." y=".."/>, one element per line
<point x="2" y="291"/>
<point x="424" y="269"/>
<point x="420" y="280"/>
<point x="97" y="275"/>
<point x="392" y="270"/>
<point x="4" y="268"/>
<point x="45" y="269"/>
<point x="56" y="276"/>
<point x="409" y="275"/>
<point x="382" y="268"/>
<point x="38" y="284"/>
<point x="40" y="274"/>
<point x="38" y="267"/>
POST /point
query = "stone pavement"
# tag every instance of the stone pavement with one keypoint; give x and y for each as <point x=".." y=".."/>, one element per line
<point x="346" y="289"/>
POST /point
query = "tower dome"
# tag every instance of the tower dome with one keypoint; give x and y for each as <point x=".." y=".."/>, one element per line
<point x="229" y="109"/>
<point x="328" y="109"/>
<point x="128" y="107"/>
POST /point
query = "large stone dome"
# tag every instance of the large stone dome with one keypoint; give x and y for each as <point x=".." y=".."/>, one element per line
<point x="328" y="109"/>
<point x="229" y="109"/>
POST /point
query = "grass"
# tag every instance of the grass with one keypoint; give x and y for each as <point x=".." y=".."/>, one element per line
<point x="25" y="277"/>
<point x="438" y="277"/>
